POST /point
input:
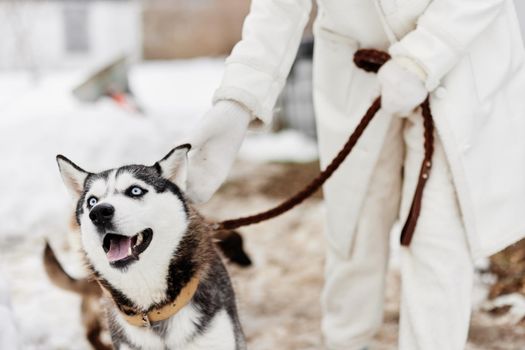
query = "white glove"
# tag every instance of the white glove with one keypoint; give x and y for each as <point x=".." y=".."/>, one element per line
<point x="402" y="86"/>
<point x="214" y="146"/>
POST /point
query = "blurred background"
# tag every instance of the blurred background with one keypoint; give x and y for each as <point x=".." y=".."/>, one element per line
<point x="111" y="82"/>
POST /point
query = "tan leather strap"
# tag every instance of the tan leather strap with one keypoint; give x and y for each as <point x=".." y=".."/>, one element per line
<point x="161" y="313"/>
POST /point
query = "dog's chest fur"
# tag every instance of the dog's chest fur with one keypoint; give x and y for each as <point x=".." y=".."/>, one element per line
<point x="209" y="322"/>
<point x="180" y="332"/>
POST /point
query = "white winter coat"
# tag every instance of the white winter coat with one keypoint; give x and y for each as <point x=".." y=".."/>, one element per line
<point x="473" y="55"/>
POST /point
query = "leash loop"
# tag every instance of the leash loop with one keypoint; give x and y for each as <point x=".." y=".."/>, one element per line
<point x="369" y="60"/>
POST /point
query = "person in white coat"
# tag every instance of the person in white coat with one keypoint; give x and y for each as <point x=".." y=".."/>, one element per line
<point x="469" y="56"/>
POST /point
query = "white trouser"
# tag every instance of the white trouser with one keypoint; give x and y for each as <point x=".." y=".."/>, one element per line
<point x="436" y="269"/>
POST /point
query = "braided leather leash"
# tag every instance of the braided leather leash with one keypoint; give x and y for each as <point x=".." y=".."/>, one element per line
<point x="370" y="60"/>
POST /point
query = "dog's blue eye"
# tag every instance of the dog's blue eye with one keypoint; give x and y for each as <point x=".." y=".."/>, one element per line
<point x="135" y="191"/>
<point x="92" y="201"/>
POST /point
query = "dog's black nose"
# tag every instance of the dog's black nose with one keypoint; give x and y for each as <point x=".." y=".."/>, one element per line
<point x="102" y="214"/>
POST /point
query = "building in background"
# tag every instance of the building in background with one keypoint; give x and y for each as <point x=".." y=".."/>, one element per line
<point x="49" y="34"/>
<point x="41" y="34"/>
<point x="191" y="28"/>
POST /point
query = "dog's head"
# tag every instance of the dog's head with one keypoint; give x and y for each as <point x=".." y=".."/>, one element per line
<point x="131" y="218"/>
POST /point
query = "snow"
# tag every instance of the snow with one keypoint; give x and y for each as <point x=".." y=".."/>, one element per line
<point x="8" y="331"/>
<point x="282" y="147"/>
<point x="170" y="88"/>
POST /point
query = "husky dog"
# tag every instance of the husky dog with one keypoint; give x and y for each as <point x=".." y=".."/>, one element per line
<point x="152" y="254"/>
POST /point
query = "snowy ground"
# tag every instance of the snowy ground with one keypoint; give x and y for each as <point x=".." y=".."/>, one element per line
<point x="278" y="296"/>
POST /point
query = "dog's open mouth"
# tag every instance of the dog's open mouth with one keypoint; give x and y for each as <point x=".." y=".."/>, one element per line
<point x="121" y="249"/>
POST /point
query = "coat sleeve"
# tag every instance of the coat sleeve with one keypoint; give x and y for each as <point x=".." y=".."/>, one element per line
<point x="258" y="66"/>
<point x="444" y="33"/>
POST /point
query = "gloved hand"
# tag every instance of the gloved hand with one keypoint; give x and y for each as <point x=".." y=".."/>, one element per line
<point x="402" y="86"/>
<point x="214" y="146"/>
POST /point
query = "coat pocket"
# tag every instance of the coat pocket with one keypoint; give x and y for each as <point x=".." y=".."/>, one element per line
<point x="333" y="65"/>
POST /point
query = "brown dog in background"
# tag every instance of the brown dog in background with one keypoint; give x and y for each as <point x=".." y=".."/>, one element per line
<point x="90" y="293"/>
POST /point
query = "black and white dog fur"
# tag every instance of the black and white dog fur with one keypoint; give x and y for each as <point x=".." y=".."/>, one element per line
<point x="144" y="242"/>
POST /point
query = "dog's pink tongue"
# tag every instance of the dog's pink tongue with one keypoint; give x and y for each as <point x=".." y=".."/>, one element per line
<point x="119" y="248"/>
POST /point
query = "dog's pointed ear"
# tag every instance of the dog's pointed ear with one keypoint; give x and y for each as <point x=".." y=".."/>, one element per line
<point x="72" y="175"/>
<point x="174" y="166"/>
